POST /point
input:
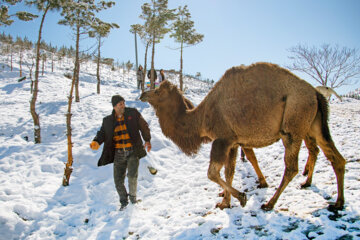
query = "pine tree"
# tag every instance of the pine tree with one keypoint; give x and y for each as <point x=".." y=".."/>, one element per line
<point x="185" y="34"/>
<point x="5" y="17"/>
<point x="9" y="48"/>
<point x="146" y="39"/>
<point x="20" y="47"/>
<point x="43" y="7"/>
<point x="80" y="16"/>
<point x="157" y="16"/>
<point x="100" y="30"/>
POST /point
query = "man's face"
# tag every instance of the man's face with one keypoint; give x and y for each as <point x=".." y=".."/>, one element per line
<point x="120" y="108"/>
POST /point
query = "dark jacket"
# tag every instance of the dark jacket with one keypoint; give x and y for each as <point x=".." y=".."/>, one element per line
<point x="140" y="75"/>
<point x="135" y="124"/>
<point x="149" y="74"/>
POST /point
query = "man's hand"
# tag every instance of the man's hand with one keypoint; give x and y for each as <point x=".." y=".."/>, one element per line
<point x="148" y="146"/>
<point x="94" y="145"/>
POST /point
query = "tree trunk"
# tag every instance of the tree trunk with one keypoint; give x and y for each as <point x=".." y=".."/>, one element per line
<point x="43" y="65"/>
<point x="52" y="63"/>
<point x="181" y="66"/>
<point x="77" y="64"/>
<point x="35" y="116"/>
<point x="21" y="55"/>
<point x="11" y="58"/>
<point x="68" y="166"/>
<point x="145" y="62"/>
<point x="152" y="72"/>
<point x="98" y="66"/>
<point x="136" y="53"/>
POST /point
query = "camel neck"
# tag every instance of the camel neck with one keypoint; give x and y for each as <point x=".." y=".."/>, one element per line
<point x="183" y="129"/>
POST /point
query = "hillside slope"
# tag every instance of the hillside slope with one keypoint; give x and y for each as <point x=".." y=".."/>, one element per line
<point x="178" y="202"/>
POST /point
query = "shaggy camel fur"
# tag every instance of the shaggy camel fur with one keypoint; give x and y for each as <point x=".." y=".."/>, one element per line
<point x="250" y="154"/>
<point x="327" y="92"/>
<point x="281" y="106"/>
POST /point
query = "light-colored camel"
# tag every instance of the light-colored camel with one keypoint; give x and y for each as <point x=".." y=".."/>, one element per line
<point x="327" y="92"/>
<point x="251" y="107"/>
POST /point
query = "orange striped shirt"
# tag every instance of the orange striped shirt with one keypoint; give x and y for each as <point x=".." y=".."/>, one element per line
<point x="121" y="135"/>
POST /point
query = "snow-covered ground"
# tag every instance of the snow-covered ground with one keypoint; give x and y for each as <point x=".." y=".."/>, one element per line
<point x="179" y="201"/>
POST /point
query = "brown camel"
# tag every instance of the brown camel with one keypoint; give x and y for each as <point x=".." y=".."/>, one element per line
<point x="281" y="106"/>
<point x="250" y="154"/>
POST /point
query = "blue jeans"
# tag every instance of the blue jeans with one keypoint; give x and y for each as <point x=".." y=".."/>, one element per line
<point x="122" y="162"/>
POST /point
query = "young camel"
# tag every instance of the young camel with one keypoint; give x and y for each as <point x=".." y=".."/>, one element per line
<point x="327" y="92"/>
<point x="281" y="106"/>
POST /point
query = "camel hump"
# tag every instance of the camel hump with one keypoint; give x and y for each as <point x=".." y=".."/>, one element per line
<point x="259" y="66"/>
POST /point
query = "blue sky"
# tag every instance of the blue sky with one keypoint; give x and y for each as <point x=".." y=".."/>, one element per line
<point x="236" y="32"/>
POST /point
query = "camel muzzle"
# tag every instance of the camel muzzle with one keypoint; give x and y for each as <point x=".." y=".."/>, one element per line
<point x="144" y="97"/>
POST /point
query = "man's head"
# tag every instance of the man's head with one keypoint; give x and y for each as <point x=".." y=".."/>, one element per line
<point x="118" y="103"/>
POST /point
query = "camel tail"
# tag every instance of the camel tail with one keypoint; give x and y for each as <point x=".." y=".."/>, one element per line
<point x="323" y="109"/>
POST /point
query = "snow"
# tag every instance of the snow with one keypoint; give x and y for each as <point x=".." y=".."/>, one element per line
<point x="179" y="201"/>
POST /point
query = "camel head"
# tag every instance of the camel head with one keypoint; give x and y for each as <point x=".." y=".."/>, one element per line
<point x="171" y="108"/>
<point x="167" y="97"/>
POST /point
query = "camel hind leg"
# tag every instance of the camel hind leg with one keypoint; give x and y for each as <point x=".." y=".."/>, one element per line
<point x="311" y="145"/>
<point x="250" y="155"/>
<point x="221" y="154"/>
<point x="320" y="130"/>
<point x="338" y="164"/>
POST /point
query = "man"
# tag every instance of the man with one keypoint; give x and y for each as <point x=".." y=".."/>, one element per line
<point x="161" y="76"/>
<point x="139" y="76"/>
<point x="123" y="146"/>
<point x="149" y="75"/>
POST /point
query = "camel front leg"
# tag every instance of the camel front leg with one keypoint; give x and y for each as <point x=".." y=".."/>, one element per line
<point x="292" y="148"/>
<point x="220" y="155"/>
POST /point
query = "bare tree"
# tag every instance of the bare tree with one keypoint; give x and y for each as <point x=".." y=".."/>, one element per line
<point x="328" y="66"/>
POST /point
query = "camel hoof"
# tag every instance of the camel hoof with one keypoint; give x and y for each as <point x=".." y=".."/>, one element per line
<point x="335" y="207"/>
<point x="222" y="205"/>
<point x="262" y="185"/>
<point x="242" y="198"/>
<point x="305" y="185"/>
<point x="267" y="207"/>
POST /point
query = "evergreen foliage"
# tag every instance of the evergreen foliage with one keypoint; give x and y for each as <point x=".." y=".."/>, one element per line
<point x="157" y="16"/>
<point x="185" y="34"/>
<point x="80" y="15"/>
<point x="5" y="17"/>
